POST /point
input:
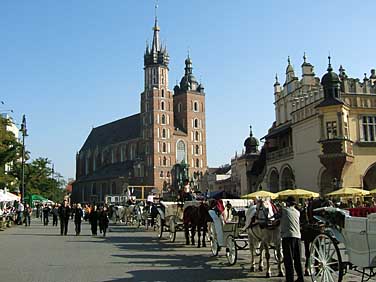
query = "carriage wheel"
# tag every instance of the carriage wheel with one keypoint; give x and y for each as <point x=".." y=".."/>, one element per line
<point x="159" y="226"/>
<point x="325" y="261"/>
<point x="213" y="241"/>
<point x="172" y="229"/>
<point x="231" y="250"/>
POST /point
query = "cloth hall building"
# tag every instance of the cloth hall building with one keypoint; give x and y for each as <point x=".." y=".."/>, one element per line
<point x="143" y="149"/>
<point x="324" y="133"/>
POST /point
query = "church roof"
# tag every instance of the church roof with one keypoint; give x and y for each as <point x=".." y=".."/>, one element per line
<point x="109" y="172"/>
<point x="114" y="132"/>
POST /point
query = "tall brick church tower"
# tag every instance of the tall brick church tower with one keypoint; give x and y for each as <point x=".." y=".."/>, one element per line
<point x="157" y="116"/>
<point x="172" y="124"/>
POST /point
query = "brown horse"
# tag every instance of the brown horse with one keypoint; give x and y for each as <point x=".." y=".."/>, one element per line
<point x="196" y="217"/>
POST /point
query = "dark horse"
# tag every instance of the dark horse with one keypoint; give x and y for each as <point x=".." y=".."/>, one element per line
<point x="310" y="227"/>
<point x="196" y="217"/>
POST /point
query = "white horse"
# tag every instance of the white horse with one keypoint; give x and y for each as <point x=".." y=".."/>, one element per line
<point x="259" y="234"/>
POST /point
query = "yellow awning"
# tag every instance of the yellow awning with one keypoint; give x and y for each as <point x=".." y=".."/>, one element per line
<point x="348" y="192"/>
<point x="297" y="193"/>
<point x="373" y="191"/>
<point x="260" y="194"/>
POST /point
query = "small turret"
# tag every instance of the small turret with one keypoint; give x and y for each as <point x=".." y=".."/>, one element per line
<point x="373" y="77"/>
<point x="251" y="143"/>
<point x="307" y="68"/>
<point x="331" y="84"/>
<point x="290" y="74"/>
<point x="277" y="86"/>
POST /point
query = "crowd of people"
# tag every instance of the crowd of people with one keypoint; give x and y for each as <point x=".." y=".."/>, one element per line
<point x="20" y="213"/>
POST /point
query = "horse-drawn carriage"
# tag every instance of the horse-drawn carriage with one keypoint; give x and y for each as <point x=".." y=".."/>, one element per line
<point x="347" y="242"/>
<point x="241" y="233"/>
<point x="229" y="233"/>
<point x="170" y="217"/>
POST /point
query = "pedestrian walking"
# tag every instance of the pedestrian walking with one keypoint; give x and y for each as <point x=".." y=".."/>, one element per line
<point x="20" y="210"/>
<point x="46" y="214"/>
<point x="55" y="213"/>
<point x="78" y="214"/>
<point x="103" y="220"/>
<point x="27" y="214"/>
<point x="93" y="219"/>
<point x="291" y="241"/>
<point x="64" y="213"/>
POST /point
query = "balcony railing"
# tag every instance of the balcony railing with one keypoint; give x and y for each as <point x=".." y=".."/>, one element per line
<point x="280" y="154"/>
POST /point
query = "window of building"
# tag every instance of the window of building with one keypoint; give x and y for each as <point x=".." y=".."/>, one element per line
<point x="369" y="128"/>
<point x="161" y="174"/>
<point x="346" y="130"/>
<point x="197" y="163"/>
<point x="197" y="151"/>
<point x="195" y="123"/>
<point x="179" y="107"/>
<point x="162" y="93"/>
<point x="163" y="133"/>
<point x="331" y="129"/>
<point x="164" y="147"/>
<point x="162" y="105"/>
<point x="197" y="136"/>
<point x="195" y="106"/>
<point x="163" y="119"/>
<point x="112" y="156"/>
<point x="164" y="161"/>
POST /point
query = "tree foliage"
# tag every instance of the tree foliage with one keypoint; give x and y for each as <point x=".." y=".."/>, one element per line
<point x="39" y="176"/>
<point x="41" y="179"/>
<point x="10" y="153"/>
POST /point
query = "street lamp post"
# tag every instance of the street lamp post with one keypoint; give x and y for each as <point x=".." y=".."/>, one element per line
<point x="24" y="134"/>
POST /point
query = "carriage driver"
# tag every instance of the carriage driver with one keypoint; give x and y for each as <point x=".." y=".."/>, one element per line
<point x="291" y="245"/>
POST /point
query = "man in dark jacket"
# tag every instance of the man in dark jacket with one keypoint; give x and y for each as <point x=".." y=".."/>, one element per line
<point x="46" y="214"/>
<point x="64" y="213"/>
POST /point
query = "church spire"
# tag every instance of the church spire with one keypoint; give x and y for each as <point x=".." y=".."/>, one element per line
<point x="156" y="45"/>
<point x="156" y="54"/>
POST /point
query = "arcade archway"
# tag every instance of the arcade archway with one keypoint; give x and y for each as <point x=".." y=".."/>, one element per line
<point x="287" y="178"/>
<point x="274" y="181"/>
<point x="369" y="179"/>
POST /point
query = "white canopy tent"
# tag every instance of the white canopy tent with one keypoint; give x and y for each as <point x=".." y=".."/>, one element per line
<point x="6" y="196"/>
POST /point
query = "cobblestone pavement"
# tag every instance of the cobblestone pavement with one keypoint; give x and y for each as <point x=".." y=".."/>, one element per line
<point x="38" y="253"/>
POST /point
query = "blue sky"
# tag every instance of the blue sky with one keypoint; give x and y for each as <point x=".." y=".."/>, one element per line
<point x="71" y="65"/>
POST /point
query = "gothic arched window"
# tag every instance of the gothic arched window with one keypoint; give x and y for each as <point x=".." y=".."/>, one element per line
<point x="180" y="151"/>
<point x="163" y="119"/>
<point x="196" y="123"/>
<point x="195" y="106"/>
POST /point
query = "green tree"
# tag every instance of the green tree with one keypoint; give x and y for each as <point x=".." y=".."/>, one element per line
<point x="10" y="153"/>
<point x="41" y="179"/>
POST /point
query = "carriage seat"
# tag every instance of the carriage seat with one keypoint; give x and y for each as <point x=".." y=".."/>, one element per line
<point x="360" y="240"/>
